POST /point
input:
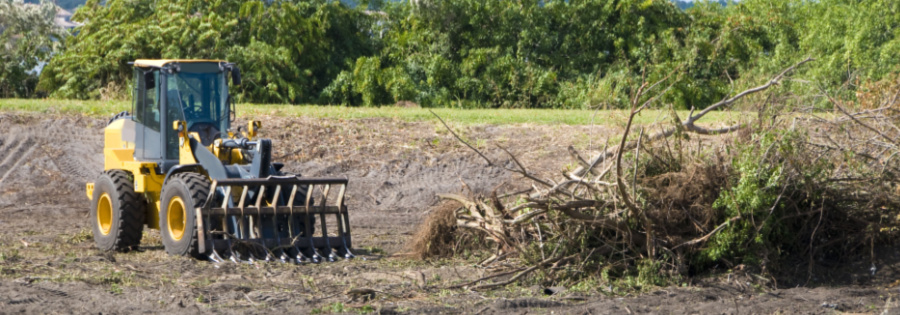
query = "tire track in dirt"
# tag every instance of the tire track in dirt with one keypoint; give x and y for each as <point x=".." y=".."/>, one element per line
<point x="46" y="161"/>
<point x="71" y="151"/>
<point x="24" y="293"/>
<point x="15" y="157"/>
<point x="412" y="185"/>
<point x="9" y="143"/>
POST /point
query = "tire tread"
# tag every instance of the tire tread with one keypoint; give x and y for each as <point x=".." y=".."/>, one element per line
<point x="130" y="213"/>
<point x="198" y="186"/>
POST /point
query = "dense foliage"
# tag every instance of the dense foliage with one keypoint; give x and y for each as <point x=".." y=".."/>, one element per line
<point x="288" y="51"/>
<point x="27" y="37"/>
<point x="506" y="53"/>
<point x="469" y="53"/>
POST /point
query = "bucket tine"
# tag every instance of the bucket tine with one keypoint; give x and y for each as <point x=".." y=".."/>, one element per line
<point x="298" y="258"/>
<point x="241" y="248"/>
<point x="256" y="226"/>
<point x="236" y="254"/>
<point x="307" y="225"/>
<point x="290" y="227"/>
<point x="256" y="220"/>
<point x="258" y="250"/>
<point x="242" y="227"/>
<point x="268" y="257"/>
<point x="232" y="254"/>
<point x="301" y="258"/>
<point x="225" y="205"/>
<point x="281" y="255"/>
<point x="226" y="200"/>
<point x="344" y="250"/>
<point x="204" y="221"/>
<point x="251" y="254"/>
<point x="295" y="255"/>
<point x="329" y="253"/>
<point x="214" y="257"/>
<point x="248" y="261"/>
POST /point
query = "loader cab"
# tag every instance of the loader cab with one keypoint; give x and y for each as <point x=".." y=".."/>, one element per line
<point x="194" y="91"/>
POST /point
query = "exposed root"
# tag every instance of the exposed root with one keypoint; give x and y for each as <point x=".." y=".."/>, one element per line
<point x="437" y="235"/>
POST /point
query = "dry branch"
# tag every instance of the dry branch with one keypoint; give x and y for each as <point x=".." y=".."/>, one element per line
<point x="690" y="123"/>
<point x="708" y="235"/>
<point x="521" y="273"/>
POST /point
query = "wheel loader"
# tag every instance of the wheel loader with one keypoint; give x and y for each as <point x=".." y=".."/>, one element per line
<point x="175" y="163"/>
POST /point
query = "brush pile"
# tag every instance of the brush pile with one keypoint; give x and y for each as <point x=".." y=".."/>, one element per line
<point x="783" y="194"/>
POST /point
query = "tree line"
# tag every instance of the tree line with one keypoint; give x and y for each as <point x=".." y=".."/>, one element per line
<point x="473" y="53"/>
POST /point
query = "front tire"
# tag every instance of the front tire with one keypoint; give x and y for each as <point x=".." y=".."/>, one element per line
<point x="117" y="212"/>
<point x="181" y="195"/>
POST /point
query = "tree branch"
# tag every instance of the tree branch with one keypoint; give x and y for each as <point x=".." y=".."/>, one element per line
<point x="692" y="119"/>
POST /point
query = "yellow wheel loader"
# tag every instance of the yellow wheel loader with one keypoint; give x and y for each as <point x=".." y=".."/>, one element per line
<point x="175" y="163"/>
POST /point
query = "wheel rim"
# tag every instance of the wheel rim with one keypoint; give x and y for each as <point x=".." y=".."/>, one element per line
<point x="176" y="218"/>
<point x="104" y="214"/>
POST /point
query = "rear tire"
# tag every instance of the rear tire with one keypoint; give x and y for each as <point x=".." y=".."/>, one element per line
<point x="117" y="212"/>
<point x="181" y="195"/>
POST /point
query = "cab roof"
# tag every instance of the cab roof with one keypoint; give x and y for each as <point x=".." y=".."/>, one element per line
<point x="159" y="63"/>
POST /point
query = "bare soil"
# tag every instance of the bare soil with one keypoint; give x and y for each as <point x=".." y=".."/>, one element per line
<point x="48" y="263"/>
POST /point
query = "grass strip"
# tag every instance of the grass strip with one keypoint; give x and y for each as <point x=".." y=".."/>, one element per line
<point x="95" y="108"/>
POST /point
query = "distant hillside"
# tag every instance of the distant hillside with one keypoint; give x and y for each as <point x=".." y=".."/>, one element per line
<point x="684" y="4"/>
<point x="65" y="4"/>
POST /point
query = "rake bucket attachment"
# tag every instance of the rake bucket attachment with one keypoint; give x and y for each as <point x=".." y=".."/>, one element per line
<point x="273" y="219"/>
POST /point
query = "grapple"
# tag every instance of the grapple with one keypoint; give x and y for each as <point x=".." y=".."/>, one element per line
<point x="274" y="219"/>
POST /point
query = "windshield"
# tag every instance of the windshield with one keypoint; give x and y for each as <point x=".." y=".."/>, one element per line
<point x="203" y="98"/>
<point x="197" y="94"/>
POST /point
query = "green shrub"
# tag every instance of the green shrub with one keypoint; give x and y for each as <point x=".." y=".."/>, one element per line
<point x="772" y="181"/>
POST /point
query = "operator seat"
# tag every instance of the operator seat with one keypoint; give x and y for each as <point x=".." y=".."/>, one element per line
<point x="207" y="131"/>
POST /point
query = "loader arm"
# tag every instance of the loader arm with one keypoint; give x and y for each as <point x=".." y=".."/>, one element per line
<point x="244" y="197"/>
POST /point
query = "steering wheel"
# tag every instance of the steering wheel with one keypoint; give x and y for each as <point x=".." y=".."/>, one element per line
<point x="188" y="112"/>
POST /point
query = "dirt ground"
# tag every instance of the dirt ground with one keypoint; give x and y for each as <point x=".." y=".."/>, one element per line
<point x="48" y="263"/>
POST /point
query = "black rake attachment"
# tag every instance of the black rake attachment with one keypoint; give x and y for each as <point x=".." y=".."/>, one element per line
<point x="273" y="219"/>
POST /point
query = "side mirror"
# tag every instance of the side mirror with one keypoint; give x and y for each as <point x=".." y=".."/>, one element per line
<point x="149" y="82"/>
<point x="235" y="76"/>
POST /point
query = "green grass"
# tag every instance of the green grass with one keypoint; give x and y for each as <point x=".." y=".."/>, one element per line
<point x="90" y="108"/>
<point x="456" y="116"/>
